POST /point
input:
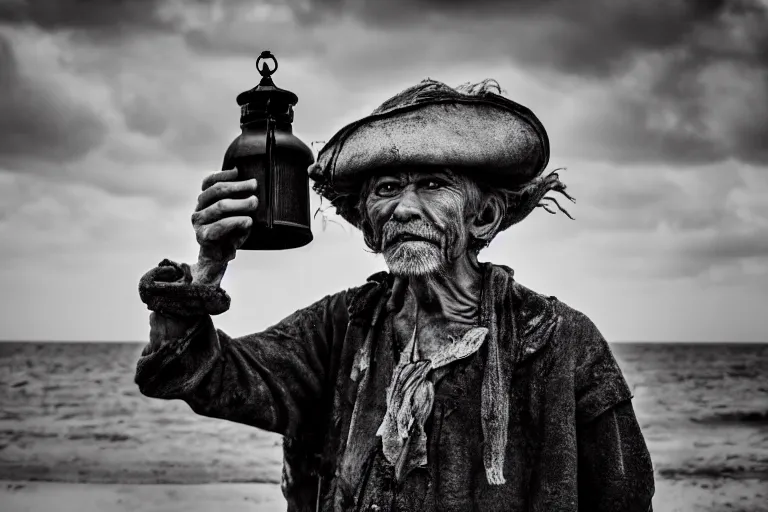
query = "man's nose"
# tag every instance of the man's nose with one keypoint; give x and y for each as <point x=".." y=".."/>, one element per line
<point x="408" y="207"/>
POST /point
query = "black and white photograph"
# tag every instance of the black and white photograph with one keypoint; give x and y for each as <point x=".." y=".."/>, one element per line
<point x="383" y="255"/>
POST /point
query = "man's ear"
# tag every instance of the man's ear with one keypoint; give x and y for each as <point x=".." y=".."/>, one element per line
<point x="486" y="223"/>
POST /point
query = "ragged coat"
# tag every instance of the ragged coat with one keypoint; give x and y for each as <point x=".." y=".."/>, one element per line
<point x="572" y="441"/>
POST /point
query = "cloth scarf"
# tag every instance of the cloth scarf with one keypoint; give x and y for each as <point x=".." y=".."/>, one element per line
<point x="503" y="349"/>
<point x="410" y="399"/>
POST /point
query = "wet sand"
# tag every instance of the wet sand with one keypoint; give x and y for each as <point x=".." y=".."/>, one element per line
<point x="671" y="496"/>
<point x="63" y="497"/>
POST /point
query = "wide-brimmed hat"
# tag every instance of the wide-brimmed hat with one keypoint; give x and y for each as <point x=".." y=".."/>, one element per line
<point x="469" y="129"/>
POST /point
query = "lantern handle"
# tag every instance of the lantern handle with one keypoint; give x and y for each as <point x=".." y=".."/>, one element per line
<point x="264" y="70"/>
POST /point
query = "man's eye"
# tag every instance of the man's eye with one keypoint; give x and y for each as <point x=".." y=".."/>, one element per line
<point x="386" y="189"/>
<point x="433" y="184"/>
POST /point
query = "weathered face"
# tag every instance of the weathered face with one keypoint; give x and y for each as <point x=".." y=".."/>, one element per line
<point x="418" y="220"/>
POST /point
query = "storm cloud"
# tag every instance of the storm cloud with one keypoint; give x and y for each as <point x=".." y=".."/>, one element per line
<point x="106" y="18"/>
<point x="684" y="81"/>
<point x="592" y="37"/>
<point x="695" y="73"/>
<point x="39" y="123"/>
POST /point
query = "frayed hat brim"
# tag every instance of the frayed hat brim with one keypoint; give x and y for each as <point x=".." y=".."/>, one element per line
<point x="433" y="125"/>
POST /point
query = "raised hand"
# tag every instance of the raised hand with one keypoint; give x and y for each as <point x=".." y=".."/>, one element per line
<point x="222" y="222"/>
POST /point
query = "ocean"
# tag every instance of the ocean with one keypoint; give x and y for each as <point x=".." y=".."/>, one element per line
<point x="70" y="412"/>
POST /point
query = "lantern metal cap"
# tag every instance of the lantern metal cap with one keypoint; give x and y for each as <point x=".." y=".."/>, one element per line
<point x="266" y="99"/>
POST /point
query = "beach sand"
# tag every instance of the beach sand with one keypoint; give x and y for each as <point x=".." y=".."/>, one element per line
<point x="671" y="496"/>
<point x="64" y="497"/>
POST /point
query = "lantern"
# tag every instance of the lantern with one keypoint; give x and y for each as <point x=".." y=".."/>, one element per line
<point x="268" y="151"/>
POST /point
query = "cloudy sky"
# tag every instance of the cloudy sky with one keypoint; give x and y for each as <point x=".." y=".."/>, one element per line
<point x="111" y="113"/>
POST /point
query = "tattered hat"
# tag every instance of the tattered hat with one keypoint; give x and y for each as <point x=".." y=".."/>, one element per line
<point x="469" y="129"/>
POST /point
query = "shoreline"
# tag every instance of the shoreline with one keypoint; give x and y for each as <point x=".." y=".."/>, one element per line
<point x="684" y="495"/>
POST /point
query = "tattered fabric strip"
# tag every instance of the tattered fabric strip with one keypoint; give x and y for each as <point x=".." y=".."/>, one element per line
<point x="494" y="406"/>
<point x="410" y="399"/>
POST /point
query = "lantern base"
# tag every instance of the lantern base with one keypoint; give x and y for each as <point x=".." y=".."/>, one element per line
<point x="281" y="236"/>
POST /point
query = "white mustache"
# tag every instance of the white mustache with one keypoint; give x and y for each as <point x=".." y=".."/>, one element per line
<point x="420" y="228"/>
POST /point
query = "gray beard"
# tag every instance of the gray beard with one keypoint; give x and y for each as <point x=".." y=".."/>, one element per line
<point x="414" y="259"/>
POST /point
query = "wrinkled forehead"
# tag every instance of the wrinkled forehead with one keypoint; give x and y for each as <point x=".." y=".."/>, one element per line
<point x="409" y="174"/>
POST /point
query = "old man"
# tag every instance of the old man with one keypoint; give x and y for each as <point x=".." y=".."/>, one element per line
<point x="443" y="384"/>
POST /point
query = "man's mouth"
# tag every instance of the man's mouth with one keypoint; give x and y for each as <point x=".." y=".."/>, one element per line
<point x="409" y="237"/>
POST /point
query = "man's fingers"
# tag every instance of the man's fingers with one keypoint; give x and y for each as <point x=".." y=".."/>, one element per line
<point x="222" y="218"/>
<point x="230" y="228"/>
<point x="216" y="177"/>
<point x="225" y="208"/>
<point x="225" y="190"/>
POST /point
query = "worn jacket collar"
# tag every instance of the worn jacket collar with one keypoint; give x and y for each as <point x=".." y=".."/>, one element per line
<point x="519" y="323"/>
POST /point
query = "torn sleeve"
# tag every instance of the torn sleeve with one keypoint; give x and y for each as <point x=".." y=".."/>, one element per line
<point x="272" y="379"/>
